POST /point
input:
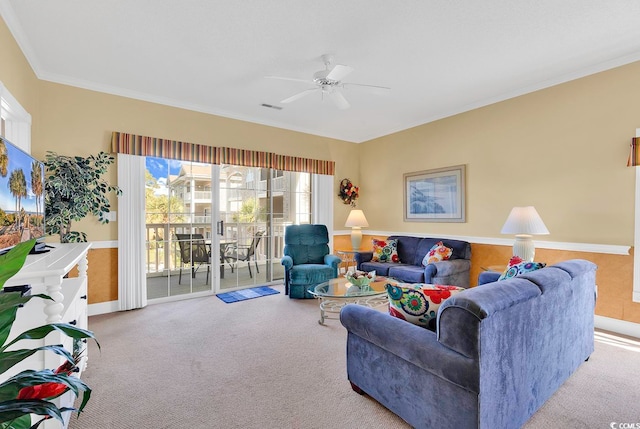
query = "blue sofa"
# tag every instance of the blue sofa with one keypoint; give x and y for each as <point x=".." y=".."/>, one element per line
<point x="499" y="352"/>
<point x="411" y="251"/>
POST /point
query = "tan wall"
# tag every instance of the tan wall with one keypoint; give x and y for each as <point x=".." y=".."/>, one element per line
<point x="563" y="150"/>
<point x="80" y="122"/>
<point x="16" y="74"/>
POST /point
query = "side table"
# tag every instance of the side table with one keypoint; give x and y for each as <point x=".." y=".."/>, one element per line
<point x="496" y="268"/>
<point x="348" y="258"/>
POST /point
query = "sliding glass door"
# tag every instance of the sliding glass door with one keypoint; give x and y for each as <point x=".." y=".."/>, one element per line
<point x="179" y="235"/>
<point x="212" y="228"/>
<point x="255" y="206"/>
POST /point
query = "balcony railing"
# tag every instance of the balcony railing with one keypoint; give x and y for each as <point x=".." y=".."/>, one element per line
<point x="163" y="253"/>
<point x="198" y="196"/>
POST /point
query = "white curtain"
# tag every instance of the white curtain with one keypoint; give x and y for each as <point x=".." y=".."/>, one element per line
<point x="132" y="281"/>
<point x="322" y="206"/>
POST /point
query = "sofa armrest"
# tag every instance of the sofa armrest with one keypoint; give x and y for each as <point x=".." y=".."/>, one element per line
<point x="411" y="343"/>
<point x="449" y="268"/>
<point x="287" y="261"/>
<point x="488" y="277"/>
<point x="361" y="257"/>
<point x="333" y="261"/>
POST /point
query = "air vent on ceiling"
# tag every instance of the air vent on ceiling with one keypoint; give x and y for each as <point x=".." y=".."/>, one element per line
<point x="270" y="106"/>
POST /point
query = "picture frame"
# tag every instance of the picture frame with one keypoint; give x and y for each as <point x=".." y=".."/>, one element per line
<point x="436" y="195"/>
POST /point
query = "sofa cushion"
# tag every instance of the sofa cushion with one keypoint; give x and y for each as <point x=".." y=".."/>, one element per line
<point x="520" y="268"/>
<point x="407" y="248"/>
<point x="439" y="252"/>
<point x="385" y="250"/>
<point x="381" y="268"/>
<point x="310" y="274"/>
<point x="461" y="249"/>
<point x="418" y="303"/>
<point x="407" y="273"/>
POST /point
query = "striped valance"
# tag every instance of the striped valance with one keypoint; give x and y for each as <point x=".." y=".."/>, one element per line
<point x="634" y="155"/>
<point x="161" y="148"/>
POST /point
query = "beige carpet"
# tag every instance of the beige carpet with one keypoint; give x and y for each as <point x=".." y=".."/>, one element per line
<point x="266" y="363"/>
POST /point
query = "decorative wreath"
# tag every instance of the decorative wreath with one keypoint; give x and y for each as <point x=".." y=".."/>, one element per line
<point x="348" y="192"/>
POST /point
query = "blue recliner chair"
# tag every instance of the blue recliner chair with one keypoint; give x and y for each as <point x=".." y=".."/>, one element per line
<point x="306" y="259"/>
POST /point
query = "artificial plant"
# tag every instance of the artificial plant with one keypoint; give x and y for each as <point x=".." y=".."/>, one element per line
<point x="30" y="391"/>
<point x="74" y="189"/>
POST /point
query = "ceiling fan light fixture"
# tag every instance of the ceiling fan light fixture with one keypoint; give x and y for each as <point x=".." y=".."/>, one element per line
<point x="327" y="81"/>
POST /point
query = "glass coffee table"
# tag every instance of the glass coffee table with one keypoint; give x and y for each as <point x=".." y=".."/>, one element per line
<point x="336" y="293"/>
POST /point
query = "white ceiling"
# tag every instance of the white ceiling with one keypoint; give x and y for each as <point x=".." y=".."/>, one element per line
<point x="440" y="57"/>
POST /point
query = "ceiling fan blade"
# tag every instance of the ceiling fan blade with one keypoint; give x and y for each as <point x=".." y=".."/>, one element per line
<point x="289" y="78"/>
<point x="298" y="95"/>
<point x="339" y="100"/>
<point x="339" y="72"/>
<point x="374" y="88"/>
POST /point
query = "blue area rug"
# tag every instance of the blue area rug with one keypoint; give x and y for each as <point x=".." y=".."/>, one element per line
<point x="241" y="295"/>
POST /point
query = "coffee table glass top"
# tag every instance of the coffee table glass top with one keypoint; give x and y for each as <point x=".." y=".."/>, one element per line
<point x="341" y="288"/>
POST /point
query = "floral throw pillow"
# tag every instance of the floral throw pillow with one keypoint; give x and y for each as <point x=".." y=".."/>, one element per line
<point x="439" y="252"/>
<point x="515" y="268"/>
<point x="418" y="303"/>
<point x="385" y="250"/>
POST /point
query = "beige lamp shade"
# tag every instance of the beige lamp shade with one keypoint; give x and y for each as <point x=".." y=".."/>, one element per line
<point x="524" y="222"/>
<point x="355" y="221"/>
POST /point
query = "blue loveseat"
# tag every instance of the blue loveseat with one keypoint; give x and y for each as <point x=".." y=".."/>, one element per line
<point x="499" y="352"/>
<point x="411" y="251"/>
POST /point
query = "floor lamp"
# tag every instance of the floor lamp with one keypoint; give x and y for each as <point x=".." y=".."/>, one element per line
<point x="524" y="222"/>
<point x="356" y="221"/>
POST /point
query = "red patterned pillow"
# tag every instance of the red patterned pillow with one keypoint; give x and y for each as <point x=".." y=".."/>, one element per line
<point x="418" y="303"/>
<point x="385" y="250"/>
<point x="439" y="252"/>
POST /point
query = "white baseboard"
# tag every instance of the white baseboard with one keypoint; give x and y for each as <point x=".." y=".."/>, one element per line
<point x="103" y="307"/>
<point x="618" y="326"/>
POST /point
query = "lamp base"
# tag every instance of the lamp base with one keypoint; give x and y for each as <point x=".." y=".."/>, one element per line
<point x="356" y="237"/>
<point x="524" y="248"/>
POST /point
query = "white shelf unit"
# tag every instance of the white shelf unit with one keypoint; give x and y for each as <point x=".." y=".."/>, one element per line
<point x="45" y="273"/>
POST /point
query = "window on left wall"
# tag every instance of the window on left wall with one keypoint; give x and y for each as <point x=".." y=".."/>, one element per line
<point x="15" y="121"/>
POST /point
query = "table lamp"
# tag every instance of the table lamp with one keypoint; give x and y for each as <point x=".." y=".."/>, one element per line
<point x="356" y="220"/>
<point x="524" y="222"/>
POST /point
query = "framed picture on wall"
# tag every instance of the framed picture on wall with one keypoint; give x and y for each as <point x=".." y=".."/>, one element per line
<point x="435" y="195"/>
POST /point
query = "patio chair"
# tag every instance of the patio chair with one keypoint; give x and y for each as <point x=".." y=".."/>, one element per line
<point x="194" y="251"/>
<point x="235" y="253"/>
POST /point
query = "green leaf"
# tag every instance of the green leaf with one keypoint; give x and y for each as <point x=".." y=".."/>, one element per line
<point x="13" y="260"/>
<point x="29" y="378"/>
<point x="22" y="422"/>
<point x="42" y="331"/>
<point x="10" y="410"/>
<point x="9" y="359"/>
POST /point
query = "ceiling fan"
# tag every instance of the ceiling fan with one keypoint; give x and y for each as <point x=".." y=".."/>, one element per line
<point x="328" y="82"/>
